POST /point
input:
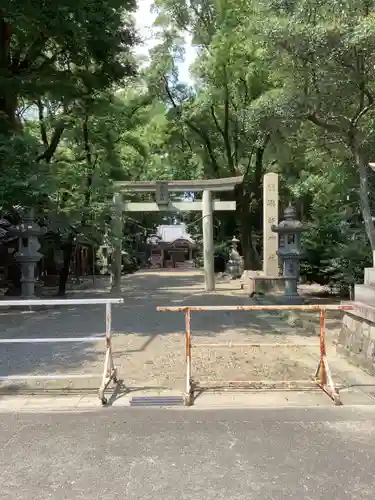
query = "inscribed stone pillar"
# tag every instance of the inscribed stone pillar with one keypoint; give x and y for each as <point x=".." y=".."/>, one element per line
<point x="208" y="240"/>
<point x="117" y="244"/>
<point x="270" y="216"/>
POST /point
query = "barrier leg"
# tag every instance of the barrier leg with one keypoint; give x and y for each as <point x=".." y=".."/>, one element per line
<point x="189" y="394"/>
<point x="109" y="371"/>
<point x="323" y="376"/>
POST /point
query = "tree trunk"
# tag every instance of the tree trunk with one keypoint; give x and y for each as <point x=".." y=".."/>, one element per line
<point x="8" y="98"/>
<point x="362" y="165"/>
<point x="249" y="203"/>
<point x="246" y="220"/>
<point x="14" y="277"/>
<point x="67" y="249"/>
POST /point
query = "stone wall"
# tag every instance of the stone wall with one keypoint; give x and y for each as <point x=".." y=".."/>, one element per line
<point x="357" y="337"/>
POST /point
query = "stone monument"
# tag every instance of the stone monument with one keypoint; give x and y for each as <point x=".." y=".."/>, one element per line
<point x="270" y="217"/>
<point x="267" y="279"/>
<point x="28" y="255"/>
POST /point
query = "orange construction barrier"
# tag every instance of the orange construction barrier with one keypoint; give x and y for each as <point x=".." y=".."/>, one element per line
<point x="322" y="377"/>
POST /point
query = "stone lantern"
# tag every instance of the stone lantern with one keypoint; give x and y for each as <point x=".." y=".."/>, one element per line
<point x="235" y="262"/>
<point x="103" y="255"/>
<point x="28" y="256"/>
<point x="290" y="252"/>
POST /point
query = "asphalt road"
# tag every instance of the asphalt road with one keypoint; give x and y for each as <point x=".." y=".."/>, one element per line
<point x="317" y="453"/>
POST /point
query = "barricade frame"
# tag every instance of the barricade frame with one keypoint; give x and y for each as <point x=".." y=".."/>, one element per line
<point x="322" y="377"/>
<point x="109" y="373"/>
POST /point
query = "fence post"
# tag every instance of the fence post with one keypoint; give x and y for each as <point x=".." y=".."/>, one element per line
<point x="322" y="321"/>
<point x="109" y="370"/>
<point x="108" y="324"/>
<point x="189" y="389"/>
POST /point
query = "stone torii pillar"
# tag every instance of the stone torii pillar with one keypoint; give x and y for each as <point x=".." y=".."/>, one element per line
<point x="163" y="203"/>
<point x="116" y="262"/>
<point x="208" y="240"/>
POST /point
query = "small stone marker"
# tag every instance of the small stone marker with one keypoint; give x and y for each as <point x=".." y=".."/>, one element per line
<point x="270" y="217"/>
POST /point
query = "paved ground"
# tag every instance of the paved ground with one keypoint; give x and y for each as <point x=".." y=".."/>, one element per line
<point x="189" y="454"/>
<point x="149" y="346"/>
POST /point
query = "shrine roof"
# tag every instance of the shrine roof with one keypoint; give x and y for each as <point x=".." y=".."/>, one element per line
<point x="171" y="233"/>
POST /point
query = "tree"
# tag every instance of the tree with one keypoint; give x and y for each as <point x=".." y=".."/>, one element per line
<point x="52" y="58"/>
<point x="213" y="118"/>
<point x="61" y="60"/>
<point x="59" y="50"/>
<point x="321" y="54"/>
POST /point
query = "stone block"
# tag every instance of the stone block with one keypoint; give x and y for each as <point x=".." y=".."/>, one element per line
<point x="370" y="276"/>
<point x="365" y="294"/>
<point x="263" y="285"/>
<point x="356" y="339"/>
<point x="246" y="278"/>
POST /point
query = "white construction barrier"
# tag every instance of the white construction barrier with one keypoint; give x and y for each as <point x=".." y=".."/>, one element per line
<point x="109" y="372"/>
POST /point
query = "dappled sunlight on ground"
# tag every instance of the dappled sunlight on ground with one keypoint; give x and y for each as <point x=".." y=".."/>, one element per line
<point x="148" y="345"/>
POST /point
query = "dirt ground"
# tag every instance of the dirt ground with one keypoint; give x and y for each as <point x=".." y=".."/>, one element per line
<point x="148" y="346"/>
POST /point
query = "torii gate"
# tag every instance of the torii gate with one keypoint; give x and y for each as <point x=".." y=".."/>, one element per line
<point x="163" y="203"/>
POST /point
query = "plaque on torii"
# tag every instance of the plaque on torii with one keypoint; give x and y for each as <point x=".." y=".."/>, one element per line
<point x="162" y="194"/>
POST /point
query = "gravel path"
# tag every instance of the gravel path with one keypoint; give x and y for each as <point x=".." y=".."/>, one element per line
<point x="149" y="346"/>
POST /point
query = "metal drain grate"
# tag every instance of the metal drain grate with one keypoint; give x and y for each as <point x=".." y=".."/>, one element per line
<point x="157" y="401"/>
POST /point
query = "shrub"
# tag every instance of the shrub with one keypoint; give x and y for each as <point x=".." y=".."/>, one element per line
<point x="335" y="255"/>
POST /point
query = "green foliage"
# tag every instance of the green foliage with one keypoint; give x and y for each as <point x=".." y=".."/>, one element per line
<point x="276" y="86"/>
<point x="129" y="262"/>
<point x="61" y="123"/>
<point x="321" y="56"/>
<point x="221" y="256"/>
<point x="58" y="63"/>
<point x="336" y="254"/>
<point x="62" y="48"/>
<point x="19" y="177"/>
<point x="286" y="87"/>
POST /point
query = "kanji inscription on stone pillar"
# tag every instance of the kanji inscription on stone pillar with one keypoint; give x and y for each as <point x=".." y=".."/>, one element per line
<point x="270" y="217"/>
